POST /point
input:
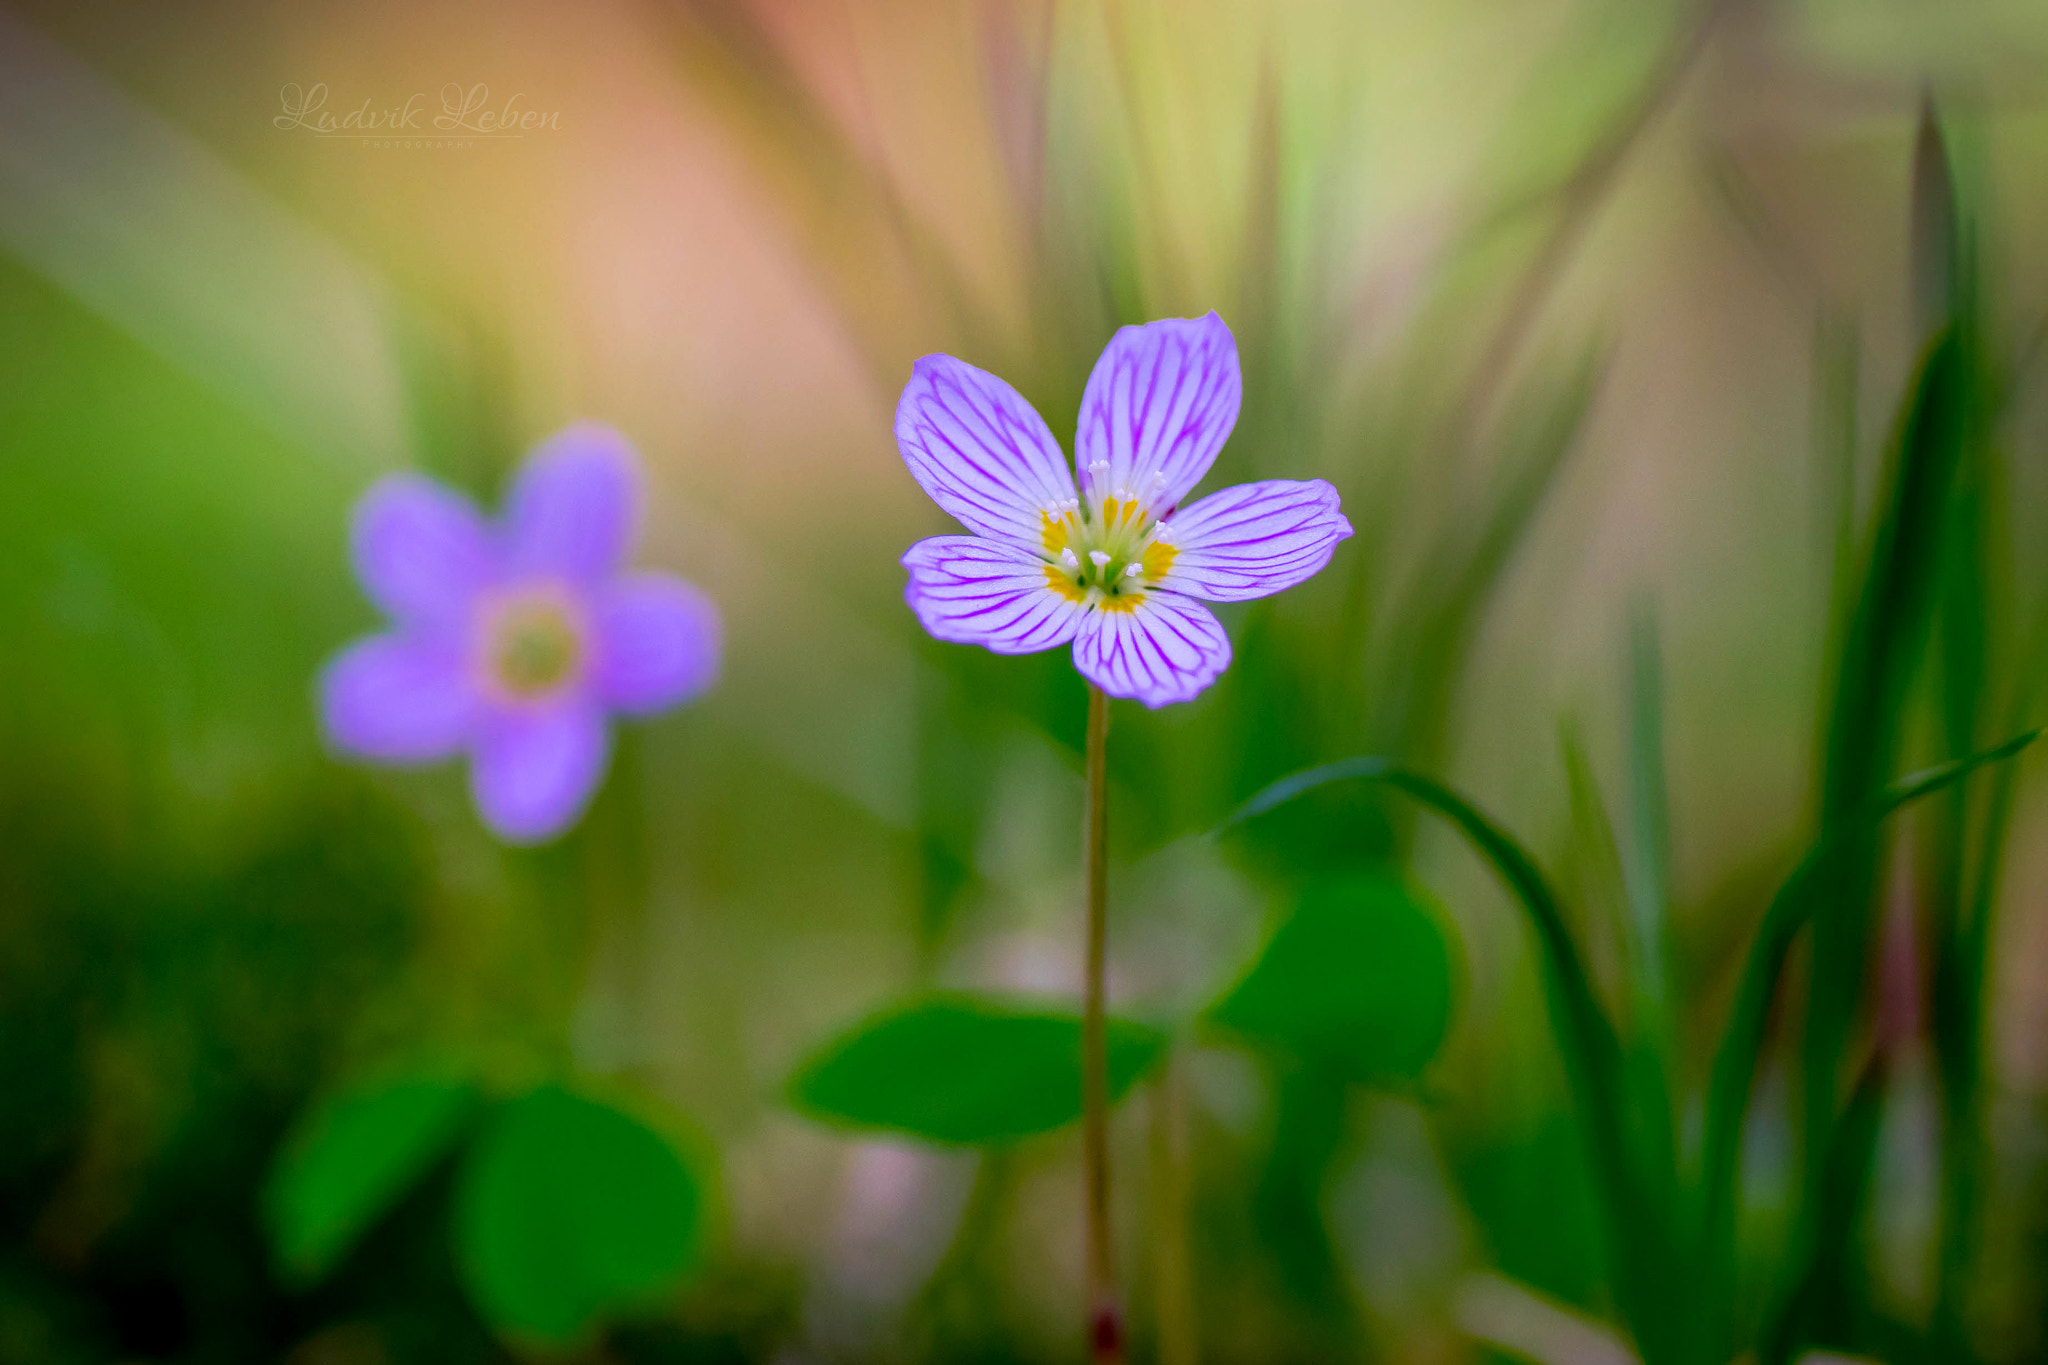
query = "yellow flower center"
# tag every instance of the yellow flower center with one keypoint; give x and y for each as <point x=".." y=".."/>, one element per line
<point x="1109" y="554"/>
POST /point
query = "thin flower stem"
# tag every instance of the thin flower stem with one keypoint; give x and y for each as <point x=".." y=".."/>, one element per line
<point x="1105" y="1322"/>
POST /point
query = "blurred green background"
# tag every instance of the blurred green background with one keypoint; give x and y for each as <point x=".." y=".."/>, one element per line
<point x="1604" y="318"/>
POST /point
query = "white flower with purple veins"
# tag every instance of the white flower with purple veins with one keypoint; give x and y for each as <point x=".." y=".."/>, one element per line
<point x="514" y="642"/>
<point x="1116" y="566"/>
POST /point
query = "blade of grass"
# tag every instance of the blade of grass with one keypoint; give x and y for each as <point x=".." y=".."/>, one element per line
<point x="1963" y="1135"/>
<point x="1596" y="876"/>
<point x="1880" y="624"/>
<point x="1933" y="236"/>
<point x="1016" y="68"/>
<point x="1959" y="1028"/>
<point x="1433" y="633"/>
<point x="1648" y="868"/>
<point x="1837" y="351"/>
<point x="876" y="258"/>
<point x="1653" y="1052"/>
<point x="1259" y="255"/>
<point x="1946" y="294"/>
<point x="1882" y="649"/>
<point x="1962" y="649"/>
<point x="1153" y="242"/>
<point x="1866" y="718"/>
<point x="1639" y="1246"/>
<point x="1647" y="1059"/>
<point x="1434" y="630"/>
<point x="1742" y="1040"/>
<point x="1436" y="623"/>
<point x="1578" y="197"/>
<point x="1816" y="1295"/>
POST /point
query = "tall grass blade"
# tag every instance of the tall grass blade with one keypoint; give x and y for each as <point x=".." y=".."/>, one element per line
<point x="1653" y="1048"/>
<point x="1969" y="853"/>
<point x="1902" y="589"/>
<point x="1837" y="357"/>
<point x="1647" y="1056"/>
<point x="1438" y="621"/>
<point x="1742" y="1040"/>
<point x="1959" y="999"/>
<point x="1596" y="877"/>
<point x="883" y="267"/>
<point x="1649" y="863"/>
<point x="1934" y="231"/>
<point x="1867" y="716"/>
<point x="1819" y="1290"/>
<point x="1641" y="1265"/>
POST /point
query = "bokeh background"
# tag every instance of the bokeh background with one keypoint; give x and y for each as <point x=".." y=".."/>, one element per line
<point x="1599" y="314"/>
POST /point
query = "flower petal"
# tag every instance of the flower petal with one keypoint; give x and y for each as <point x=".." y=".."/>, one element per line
<point x="981" y="451"/>
<point x="1158" y="407"/>
<point x="657" y="642"/>
<point x="1166" y="648"/>
<point x="574" y="509"/>
<point x="535" y="769"/>
<point x="395" y="699"/>
<point x="421" y="550"/>
<point x="1254" y="540"/>
<point x="981" y="592"/>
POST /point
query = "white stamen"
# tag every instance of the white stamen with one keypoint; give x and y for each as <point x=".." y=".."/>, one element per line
<point x="1159" y="478"/>
<point x="1098" y="467"/>
<point x="1132" y="570"/>
<point x="1099" y="557"/>
<point x="1067" y="558"/>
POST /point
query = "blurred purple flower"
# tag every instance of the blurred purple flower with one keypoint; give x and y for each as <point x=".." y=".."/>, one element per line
<point x="1117" y="567"/>
<point x="514" y="642"/>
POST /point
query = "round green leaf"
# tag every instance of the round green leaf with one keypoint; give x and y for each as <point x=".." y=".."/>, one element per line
<point x="568" y="1210"/>
<point x="1358" y="978"/>
<point x="962" y="1069"/>
<point x="351" y="1158"/>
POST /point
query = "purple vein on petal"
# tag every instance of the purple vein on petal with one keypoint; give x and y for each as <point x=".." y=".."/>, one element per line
<point x="1165" y="651"/>
<point x="1161" y="402"/>
<point x="979" y="450"/>
<point x="1255" y="539"/>
<point x="984" y="592"/>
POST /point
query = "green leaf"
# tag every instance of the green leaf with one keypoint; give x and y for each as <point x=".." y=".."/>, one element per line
<point x="1535" y="1201"/>
<point x="569" y="1210"/>
<point x="965" y="1070"/>
<point x="351" y="1158"/>
<point x="1358" y="979"/>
